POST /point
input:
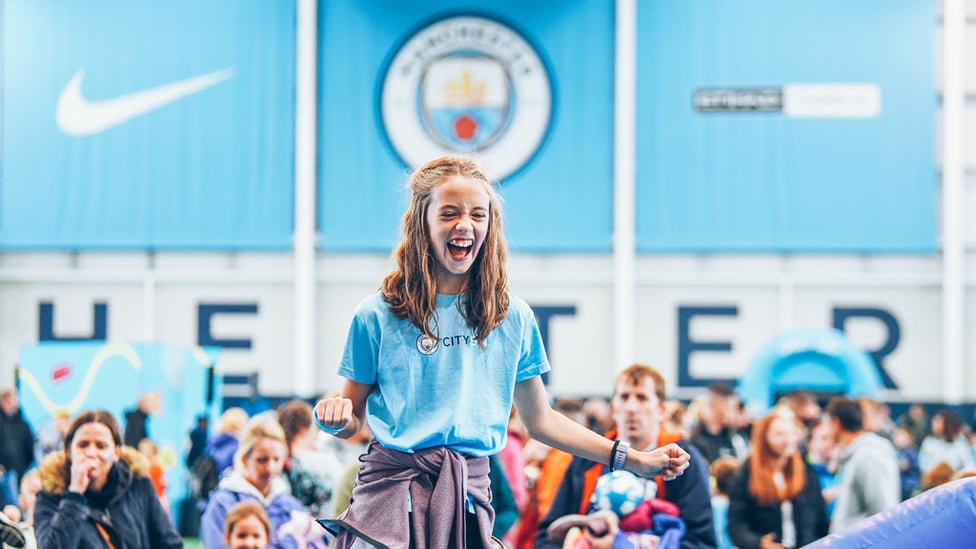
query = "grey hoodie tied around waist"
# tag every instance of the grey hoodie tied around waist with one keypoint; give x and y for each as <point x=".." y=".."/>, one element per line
<point x="399" y="496"/>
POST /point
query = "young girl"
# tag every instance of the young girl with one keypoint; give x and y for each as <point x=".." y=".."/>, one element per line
<point x="247" y="526"/>
<point x="434" y="361"/>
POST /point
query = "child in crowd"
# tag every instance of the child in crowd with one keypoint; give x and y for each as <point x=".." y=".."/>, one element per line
<point x="156" y="473"/>
<point x="247" y="526"/>
<point x="434" y="361"/>
<point x="938" y="475"/>
<point x="723" y="470"/>
<point x="23" y="513"/>
<point x="907" y="461"/>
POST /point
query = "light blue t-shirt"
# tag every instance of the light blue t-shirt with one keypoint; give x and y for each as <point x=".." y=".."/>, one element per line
<point x="445" y="391"/>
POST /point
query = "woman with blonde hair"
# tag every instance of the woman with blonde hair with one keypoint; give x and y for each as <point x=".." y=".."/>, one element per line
<point x="256" y="476"/>
<point x="775" y="500"/>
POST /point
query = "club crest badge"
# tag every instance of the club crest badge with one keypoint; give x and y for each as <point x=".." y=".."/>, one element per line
<point x="426" y="345"/>
<point x="467" y="85"/>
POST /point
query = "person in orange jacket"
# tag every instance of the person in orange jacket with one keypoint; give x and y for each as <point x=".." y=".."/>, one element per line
<point x="638" y="410"/>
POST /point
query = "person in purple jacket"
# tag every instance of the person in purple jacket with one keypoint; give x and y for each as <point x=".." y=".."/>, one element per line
<point x="256" y="476"/>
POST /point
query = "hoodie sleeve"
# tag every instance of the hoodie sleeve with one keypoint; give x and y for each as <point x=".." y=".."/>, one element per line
<point x="565" y="502"/>
<point x="502" y="500"/>
<point x="820" y="523"/>
<point x="926" y="455"/>
<point x="740" y="508"/>
<point x="57" y="521"/>
<point x="26" y="447"/>
<point x="877" y="485"/>
<point x="692" y="493"/>
<point x="162" y="531"/>
<point x="212" y="521"/>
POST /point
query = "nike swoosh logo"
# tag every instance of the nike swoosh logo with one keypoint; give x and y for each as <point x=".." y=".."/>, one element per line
<point x="76" y="116"/>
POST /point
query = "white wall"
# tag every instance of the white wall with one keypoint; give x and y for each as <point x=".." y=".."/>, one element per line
<point x="771" y="293"/>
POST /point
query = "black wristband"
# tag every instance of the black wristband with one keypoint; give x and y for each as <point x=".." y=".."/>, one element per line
<point x="613" y="453"/>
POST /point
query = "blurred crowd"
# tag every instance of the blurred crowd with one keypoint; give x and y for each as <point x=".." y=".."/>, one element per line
<point x="807" y="467"/>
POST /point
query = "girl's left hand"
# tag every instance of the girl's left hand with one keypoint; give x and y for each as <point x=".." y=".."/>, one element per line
<point x="669" y="461"/>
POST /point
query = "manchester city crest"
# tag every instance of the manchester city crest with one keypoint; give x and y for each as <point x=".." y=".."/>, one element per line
<point x="467" y="85"/>
<point x="426" y="345"/>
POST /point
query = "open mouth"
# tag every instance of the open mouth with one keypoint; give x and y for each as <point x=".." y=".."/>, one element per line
<point x="460" y="248"/>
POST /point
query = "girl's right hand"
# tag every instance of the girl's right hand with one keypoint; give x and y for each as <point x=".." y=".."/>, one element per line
<point x="333" y="414"/>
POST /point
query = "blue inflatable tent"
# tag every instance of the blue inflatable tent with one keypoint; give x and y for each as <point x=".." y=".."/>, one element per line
<point x="817" y="360"/>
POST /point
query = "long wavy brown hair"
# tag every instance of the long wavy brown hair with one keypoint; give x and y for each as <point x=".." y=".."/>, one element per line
<point x="411" y="288"/>
<point x="763" y="464"/>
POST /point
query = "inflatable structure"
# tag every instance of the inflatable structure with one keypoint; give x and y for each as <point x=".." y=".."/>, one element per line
<point x="940" y="518"/>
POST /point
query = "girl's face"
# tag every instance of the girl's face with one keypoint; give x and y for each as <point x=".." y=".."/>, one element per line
<point x="265" y="462"/>
<point x="457" y="220"/>
<point x="248" y="533"/>
<point x="783" y="437"/>
<point x="821" y="442"/>
<point x="93" y="443"/>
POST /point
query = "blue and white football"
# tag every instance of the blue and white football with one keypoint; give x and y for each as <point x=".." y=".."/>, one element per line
<point x="621" y="492"/>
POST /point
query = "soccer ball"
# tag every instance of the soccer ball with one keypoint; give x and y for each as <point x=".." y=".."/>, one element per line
<point x="621" y="492"/>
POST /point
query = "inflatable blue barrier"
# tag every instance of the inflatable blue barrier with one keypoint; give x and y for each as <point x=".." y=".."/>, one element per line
<point x="940" y="518"/>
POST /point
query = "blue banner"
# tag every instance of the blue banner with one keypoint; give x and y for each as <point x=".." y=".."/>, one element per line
<point x="781" y="126"/>
<point x="148" y="124"/>
<point x="71" y="378"/>
<point x="525" y="87"/>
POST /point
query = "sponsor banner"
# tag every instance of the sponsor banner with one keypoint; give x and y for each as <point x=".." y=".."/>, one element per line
<point x="796" y="100"/>
<point x="526" y="92"/>
<point x="757" y="132"/>
<point x="148" y="125"/>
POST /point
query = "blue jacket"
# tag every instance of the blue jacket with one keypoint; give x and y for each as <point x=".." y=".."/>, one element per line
<point x="222" y="448"/>
<point x="134" y="516"/>
<point x="233" y="489"/>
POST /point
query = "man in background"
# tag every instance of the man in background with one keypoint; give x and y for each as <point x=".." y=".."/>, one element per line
<point x="136" y="421"/>
<point x="714" y="435"/>
<point x="867" y="480"/>
<point x="16" y="446"/>
<point x="638" y="411"/>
